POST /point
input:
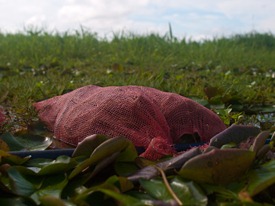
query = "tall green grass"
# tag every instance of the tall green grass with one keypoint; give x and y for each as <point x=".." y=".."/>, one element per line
<point x="37" y="64"/>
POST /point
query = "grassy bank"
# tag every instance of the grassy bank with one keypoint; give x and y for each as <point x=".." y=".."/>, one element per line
<point x="36" y="65"/>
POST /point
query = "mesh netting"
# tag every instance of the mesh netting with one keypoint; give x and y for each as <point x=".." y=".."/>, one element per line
<point x="148" y="117"/>
<point x="2" y="116"/>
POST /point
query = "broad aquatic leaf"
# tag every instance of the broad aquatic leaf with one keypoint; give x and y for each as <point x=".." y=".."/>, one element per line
<point x="167" y="165"/>
<point x="125" y="168"/>
<point x="224" y="193"/>
<point x="48" y="200"/>
<point x="4" y="146"/>
<point x="110" y="146"/>
<point x="156" y="189"/>
<point x="129" y="154"/>
<point x="110" y="188"/>
<point x="261" y="178"/>
<point x="19" y="184"/>
<point x="5" y="157"/>
<point x="12" y="142"/>
<point x="88" y="145"/>
<point x="39" y="162"/>
<point x="61" y="165"/>
<point x="188" y="192"/>
<point x="26" y="142"/>
<point x="122" y="198"/>
<point x="18" y="201"/>
<point x="34" y="142"/>
<point x="121" y="182"/>
<point x="234" y="134"/>
<point x="124" y="164"/>
<point x="218" y="166"/>
<point x="259" y="141"/>
<point x="104" y="150"/>
<point x="52" y="185"/>
<point x="102" y="165"/>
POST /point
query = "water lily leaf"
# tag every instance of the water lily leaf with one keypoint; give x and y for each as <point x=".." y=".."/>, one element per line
<point x="87" y="145"/>
<point x="12" y="159"/>
<point x="261" y="178"/>
<point x="62" y="164"/>
<point x="124" y="164"/>
<point x="129" y="154"/>
<point x="123" y="183"/>
<point x="234" y="134"/>
<point x="177" y="162"/>
<point x="104" y="150"/>
<point x="34" y="142"/>
<point x="210" y="167"/>
<point x="4" y="146"/>
<point x="112" y="187"/>
<point x="20" y="201"/>
<point x="52" y="185"/>
<point x="122" y="198"/>
<point x="188" y="192"/>
<point x="12" y="142"/>
<point x="19" y="184"/>
<point x="26" y="142"/>
<point x="101" y="165"/>
<point x="156" y="189"/>
<point x="48" y="200"/>
<point x="259" y="141"/>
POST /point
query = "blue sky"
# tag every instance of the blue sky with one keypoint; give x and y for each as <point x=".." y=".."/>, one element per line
<point x="196" y="19"/>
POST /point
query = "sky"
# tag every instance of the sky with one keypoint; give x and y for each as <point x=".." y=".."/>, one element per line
<point x="191" y="19"/>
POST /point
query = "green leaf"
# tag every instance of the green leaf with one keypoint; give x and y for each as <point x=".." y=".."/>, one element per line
<point x="129" y="154"/>
<point x="110" y="188"/>
<point x="156" y="189"/>
<point x="51" y="186"/>
<point x="100" y="166"/>
<point x="125" y="168"/>
<point x="261" y="178"/>
<point x="210" y="167"/>
<point x="18" y="201"/>
<point x="42" y="166"/>
<point x="124" y="164"/>
<point x="234" y="133"/>
<point x="259" y="141"/>
<point x="48" y="200"/>
<point x="104" y="150"/>
<point x="12" y="142"/>
<point x="122" y="198"/>
<point x="62" y="164"/>
<point x="121" y="182"/>
<point x="167" y="166"/>
<point x="26" y="142"/>
<point x="19" y="184"/>
<point x="188" y="192"/>
<point x="34" y="142"/>
<point x="12" y="159"/>
<point x="88" y="145"/>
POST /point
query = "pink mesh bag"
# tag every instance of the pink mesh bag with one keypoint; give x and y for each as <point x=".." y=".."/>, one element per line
<point x="2" y="115"/>
<point x="150" y="118"/>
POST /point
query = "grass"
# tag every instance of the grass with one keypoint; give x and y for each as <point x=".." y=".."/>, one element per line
<point x="37" y="64"/>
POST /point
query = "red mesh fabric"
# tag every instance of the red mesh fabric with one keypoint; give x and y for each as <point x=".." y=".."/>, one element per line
<point x="148" y="117"/>
<point x="2" y="116"/>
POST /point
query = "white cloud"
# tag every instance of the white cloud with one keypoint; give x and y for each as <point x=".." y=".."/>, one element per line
<point x="197" y="18"/>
